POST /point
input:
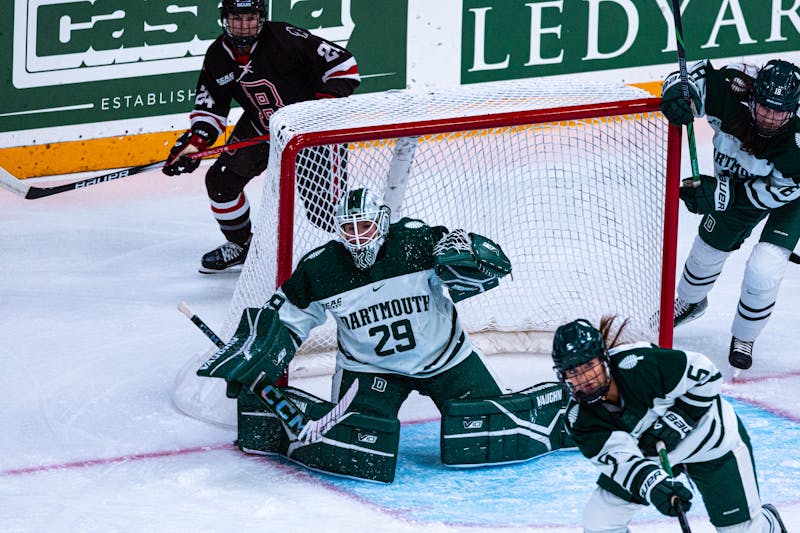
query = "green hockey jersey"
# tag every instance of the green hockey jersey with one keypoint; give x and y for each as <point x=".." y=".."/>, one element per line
<point x="393" y="317"/>
<point x="771" y="176"/>
<point x="650" y="379"/>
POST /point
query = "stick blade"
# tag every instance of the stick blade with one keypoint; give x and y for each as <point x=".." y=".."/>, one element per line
<point x="12" y="184"/>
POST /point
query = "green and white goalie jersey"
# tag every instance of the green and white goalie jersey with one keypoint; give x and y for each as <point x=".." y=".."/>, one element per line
<point x="393" y="317"/>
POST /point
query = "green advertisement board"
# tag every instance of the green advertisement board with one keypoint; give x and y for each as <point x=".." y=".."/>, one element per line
<point x="67" y="62"/>
<point x="510" y="39"/>
<point x="71" y="62"/>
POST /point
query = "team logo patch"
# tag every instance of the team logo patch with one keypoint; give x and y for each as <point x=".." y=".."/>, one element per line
<point x="414" y="224"/>
<point x="297" y="32"/>
<point x="225" y="79"/>
<point x="572" y="415"/>
<point x="709" y="223"/>
<point x="378" y="384"/>
<point x="630" y="361"/>
<point x="315" y="253"/>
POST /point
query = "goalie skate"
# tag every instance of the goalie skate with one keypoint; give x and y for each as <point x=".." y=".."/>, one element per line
<point x="224" y="258"/>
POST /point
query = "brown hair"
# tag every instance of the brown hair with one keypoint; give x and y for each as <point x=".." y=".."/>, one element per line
<point x="606" y="327"/>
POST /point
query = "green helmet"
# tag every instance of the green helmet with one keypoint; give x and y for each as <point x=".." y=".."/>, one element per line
<point x="777" y="87"/>
<point x="575" y="344"/>
<point x="362" y="223"/>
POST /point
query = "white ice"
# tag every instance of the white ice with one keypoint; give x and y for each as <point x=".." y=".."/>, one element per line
<point x="92" y="342"/>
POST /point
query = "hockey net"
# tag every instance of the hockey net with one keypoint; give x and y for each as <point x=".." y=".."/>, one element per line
<point x="571" y="179"/>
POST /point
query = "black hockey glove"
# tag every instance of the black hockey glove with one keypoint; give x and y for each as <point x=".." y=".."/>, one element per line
<point x="675" y="107"/>
<point x="190" y="142"/>
<point x="671" y="429"/>
<point x="670" y="496"/>
<point x="711" y="194"/>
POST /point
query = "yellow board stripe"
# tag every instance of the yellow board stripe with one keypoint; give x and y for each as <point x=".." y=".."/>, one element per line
<point x="113" y="152"/>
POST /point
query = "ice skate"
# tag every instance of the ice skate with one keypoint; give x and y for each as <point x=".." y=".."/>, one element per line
<point x="685" y="312"/>
<point x="224" y="258"/>
<point x="771" y="510"/>
<point x="740" y="356"/>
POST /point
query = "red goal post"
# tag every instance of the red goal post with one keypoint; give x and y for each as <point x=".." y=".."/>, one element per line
<point x="579" y="184"/>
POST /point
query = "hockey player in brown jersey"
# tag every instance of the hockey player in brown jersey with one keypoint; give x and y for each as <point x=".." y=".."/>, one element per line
<point x="262" y="66"/>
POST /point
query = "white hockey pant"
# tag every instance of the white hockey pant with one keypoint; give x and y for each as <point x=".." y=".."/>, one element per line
<point x="762" y="279"/>
<point x="701" y="270"/>
<point x="607" y="513"/>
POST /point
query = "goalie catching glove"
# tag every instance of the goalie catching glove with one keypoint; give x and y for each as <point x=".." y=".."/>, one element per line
<point x="468" y="263"/>
<point x="261" y="347"/>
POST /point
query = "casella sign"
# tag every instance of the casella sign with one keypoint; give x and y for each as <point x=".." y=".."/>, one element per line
<point x="74" y="42"/>
<point x="114" y="60"/>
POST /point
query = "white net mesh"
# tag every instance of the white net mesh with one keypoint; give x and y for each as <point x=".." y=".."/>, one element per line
<point x="578" y="205"/>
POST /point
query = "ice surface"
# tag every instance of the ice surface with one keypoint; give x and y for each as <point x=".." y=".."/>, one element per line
<point x="92" y="342"/>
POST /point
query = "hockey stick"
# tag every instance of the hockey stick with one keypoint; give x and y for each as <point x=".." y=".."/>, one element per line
<point x="676" y="14"/>
<point x="662" y="454"/>
<point x="295" y="421"/>
<point x="29" y="192"/>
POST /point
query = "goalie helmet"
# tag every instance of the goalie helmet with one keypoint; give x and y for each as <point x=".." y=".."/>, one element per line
<point x="362" y="223"/>
<point x="241" y="32"/>
<point x="576" y="344"/>
<point x="775" y="96"/>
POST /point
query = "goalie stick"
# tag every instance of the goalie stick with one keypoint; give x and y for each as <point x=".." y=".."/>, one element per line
<point x="662" y="455"/>
<point x="296" y="423"/>
<point x="29" y="192"/>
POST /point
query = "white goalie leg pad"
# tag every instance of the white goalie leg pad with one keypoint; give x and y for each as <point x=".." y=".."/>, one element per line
<point x="762" y="279"/>
<point x="507" y="429"/>
<point x="702" y="268"/>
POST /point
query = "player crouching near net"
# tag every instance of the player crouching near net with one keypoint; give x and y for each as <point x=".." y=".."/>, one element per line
<point x="397" y="332"/>
<point x="628" y="398"/>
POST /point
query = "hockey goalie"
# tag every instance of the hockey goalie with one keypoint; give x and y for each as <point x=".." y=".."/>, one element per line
<point x="392" y="289"/>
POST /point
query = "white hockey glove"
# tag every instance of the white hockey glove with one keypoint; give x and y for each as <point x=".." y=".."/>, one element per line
<point x="469" y="264"/>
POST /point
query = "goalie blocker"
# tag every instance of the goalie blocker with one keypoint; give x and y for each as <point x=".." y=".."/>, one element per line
<point x="483" y="432"/>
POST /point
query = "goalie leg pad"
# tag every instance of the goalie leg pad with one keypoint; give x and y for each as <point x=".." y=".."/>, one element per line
<point x="259" y="430"/>
<point x="359" y="446"/>
<point x="505" y="429"/>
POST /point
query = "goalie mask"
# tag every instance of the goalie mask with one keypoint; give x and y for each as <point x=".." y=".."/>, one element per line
<point x="242" y="21"/>
<point x="580" y="360"/>
<point x="362" y="222"/>
<point x="774" y="100"/>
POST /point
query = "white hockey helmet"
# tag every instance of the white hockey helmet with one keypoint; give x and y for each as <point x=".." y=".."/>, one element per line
<point x="362" y="223"/>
